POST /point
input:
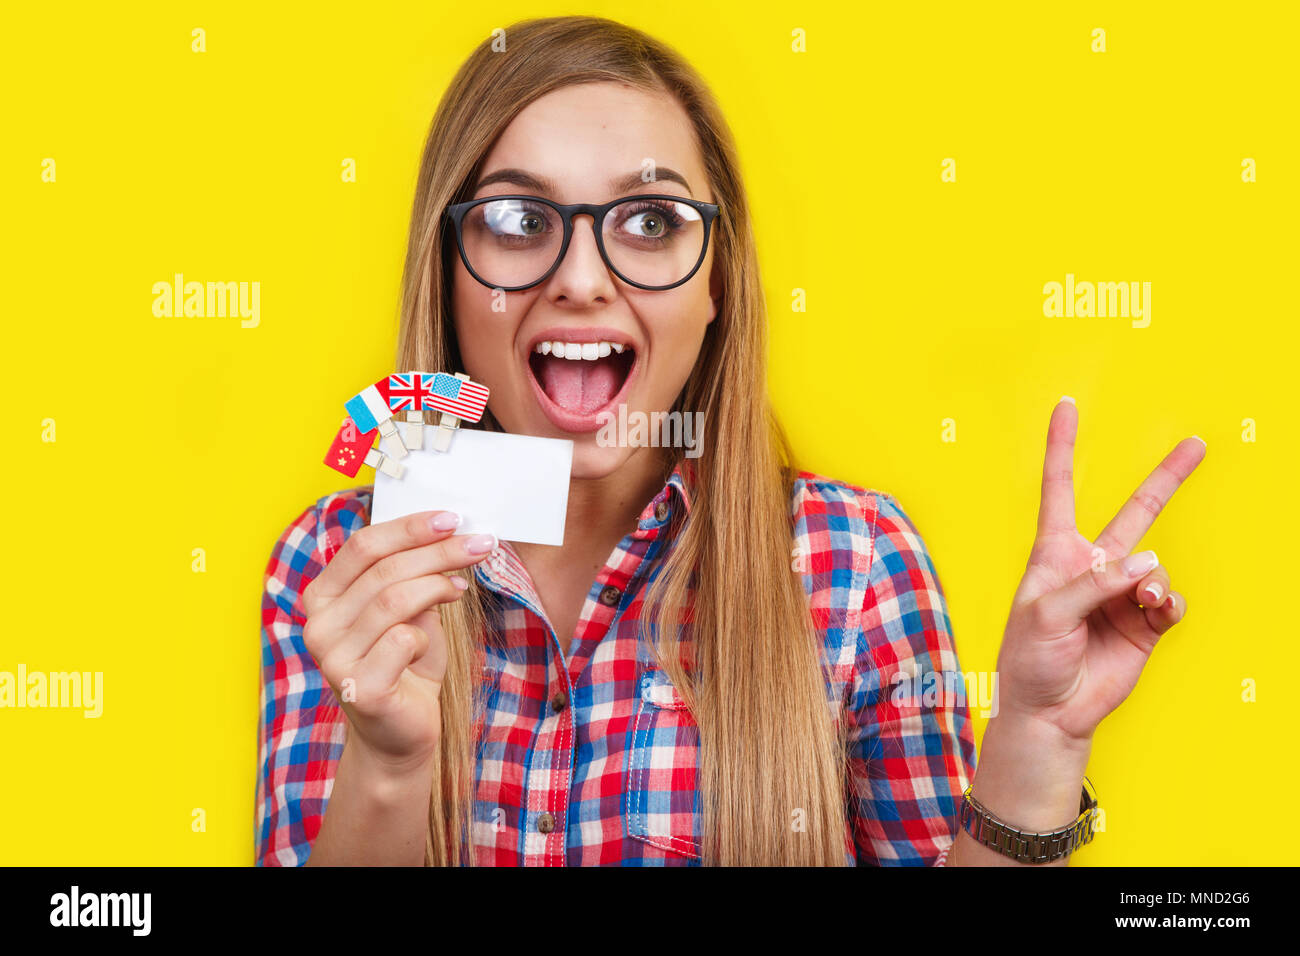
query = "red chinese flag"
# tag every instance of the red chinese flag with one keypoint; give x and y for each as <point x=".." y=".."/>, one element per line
<point x="348" y="451"/>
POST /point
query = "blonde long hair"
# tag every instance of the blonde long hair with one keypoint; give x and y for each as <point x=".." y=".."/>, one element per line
<point x="772" y="773"/>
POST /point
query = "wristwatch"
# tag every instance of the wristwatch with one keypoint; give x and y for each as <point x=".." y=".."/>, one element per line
<point x="1024" y="847"/>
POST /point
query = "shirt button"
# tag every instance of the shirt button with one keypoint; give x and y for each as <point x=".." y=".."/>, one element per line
<point x="609" y="595"/>
<point x="661" y="510"/>
<point x="545" y="823"/>
<point x="559" y="701"/>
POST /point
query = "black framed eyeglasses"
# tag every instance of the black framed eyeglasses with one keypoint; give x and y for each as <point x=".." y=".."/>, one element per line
<point x="649" y="241"/>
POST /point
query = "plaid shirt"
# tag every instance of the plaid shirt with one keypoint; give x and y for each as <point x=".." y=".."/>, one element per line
<point x="592" y="760"/>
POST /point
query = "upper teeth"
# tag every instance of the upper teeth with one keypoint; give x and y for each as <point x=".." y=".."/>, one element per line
<point x="578" y="350"/>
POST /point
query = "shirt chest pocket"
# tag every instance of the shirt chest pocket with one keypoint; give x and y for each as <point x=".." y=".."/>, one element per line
<point x="662" y="804"/>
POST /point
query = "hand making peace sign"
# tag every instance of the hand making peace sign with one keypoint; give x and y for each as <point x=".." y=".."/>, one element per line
<point x="1087" y="614"/>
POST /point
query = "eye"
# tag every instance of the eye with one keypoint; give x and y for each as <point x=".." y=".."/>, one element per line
<point x="531" y="224"/>
<point x="513" y="217"/>
<point x="651" y="219"/>
<point x="648" y="224"/>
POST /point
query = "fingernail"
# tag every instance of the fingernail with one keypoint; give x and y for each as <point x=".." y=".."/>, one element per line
<point x="458" y="582"/>
<point x="1138" y="564"/>
<point x="1154" y="593"/>
<point x="1201" y="440"/>
<point x="1066" y="398"/>
<point x="445" y="521"/>
<point x="481" y="544"/>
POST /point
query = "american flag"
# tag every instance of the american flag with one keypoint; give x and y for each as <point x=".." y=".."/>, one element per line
<point x="464" y="399"/>
<point x="410" y="391"/>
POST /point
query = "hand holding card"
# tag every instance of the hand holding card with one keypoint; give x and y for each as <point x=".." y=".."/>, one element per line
<point x="513" y="486"/>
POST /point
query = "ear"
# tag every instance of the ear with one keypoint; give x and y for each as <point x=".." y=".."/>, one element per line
<point x="715" y="290"/>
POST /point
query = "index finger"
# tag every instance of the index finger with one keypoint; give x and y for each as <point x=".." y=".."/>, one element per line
<point x="371" y="544"/>
<point x="1056" y="504"/>
<point x="1139" y="512"/>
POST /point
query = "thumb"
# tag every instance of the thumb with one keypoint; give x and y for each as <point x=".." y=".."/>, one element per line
<point x="1068" y="605"/>
<point x="432" y="664"/>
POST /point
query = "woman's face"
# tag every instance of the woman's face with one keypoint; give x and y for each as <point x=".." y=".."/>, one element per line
<point x="587" y="143"/>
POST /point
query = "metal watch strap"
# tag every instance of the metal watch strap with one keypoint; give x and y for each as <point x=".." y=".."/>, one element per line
<point x="1030" y="847"/>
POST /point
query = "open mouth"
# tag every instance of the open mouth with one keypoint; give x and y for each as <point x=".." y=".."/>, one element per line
<point x="579" y="379"/>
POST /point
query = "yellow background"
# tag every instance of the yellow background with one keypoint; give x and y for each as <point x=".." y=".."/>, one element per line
<point x="924" y="303"/>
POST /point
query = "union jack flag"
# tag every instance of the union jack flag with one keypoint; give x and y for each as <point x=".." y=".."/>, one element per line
<point x="462" y="398"/>
<point x="410" y="391"/>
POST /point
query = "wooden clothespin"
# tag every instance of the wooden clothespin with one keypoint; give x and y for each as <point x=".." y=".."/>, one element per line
<point x="457" y="397"/>
<point x="380" y="462"/>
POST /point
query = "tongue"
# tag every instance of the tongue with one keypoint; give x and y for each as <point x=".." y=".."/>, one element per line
<point x="578" y="385"/>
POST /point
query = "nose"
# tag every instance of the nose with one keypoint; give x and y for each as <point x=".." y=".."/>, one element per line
<point x="582" y="278"/>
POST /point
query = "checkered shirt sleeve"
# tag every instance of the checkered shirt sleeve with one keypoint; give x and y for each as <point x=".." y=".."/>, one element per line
<point x="911" y="743"/>
<point x="301" y="729"/>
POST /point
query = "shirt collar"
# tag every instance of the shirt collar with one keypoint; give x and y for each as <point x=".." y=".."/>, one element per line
<point x="504" y="570"/>
<point x="678" y="485"/>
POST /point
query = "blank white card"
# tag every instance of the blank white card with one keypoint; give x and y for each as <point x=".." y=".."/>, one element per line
<point x="513" y="486"/>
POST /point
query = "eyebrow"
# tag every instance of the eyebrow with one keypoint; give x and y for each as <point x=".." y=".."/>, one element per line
<point x="543" y="186"/>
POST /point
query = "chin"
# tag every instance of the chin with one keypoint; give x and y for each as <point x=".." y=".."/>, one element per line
<point x="591" y="461"/>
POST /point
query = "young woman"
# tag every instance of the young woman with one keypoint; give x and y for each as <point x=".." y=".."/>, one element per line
<point x="726" y="661"/>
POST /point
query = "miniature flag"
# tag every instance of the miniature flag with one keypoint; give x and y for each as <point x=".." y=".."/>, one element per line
<point x="410" y="391"/>
<point x="351" y="449"/>
<point x="369" y="409"/>
<point x="370" y="406"/>
<point x="348" y="452"/>
<point x="462" y="398"/>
